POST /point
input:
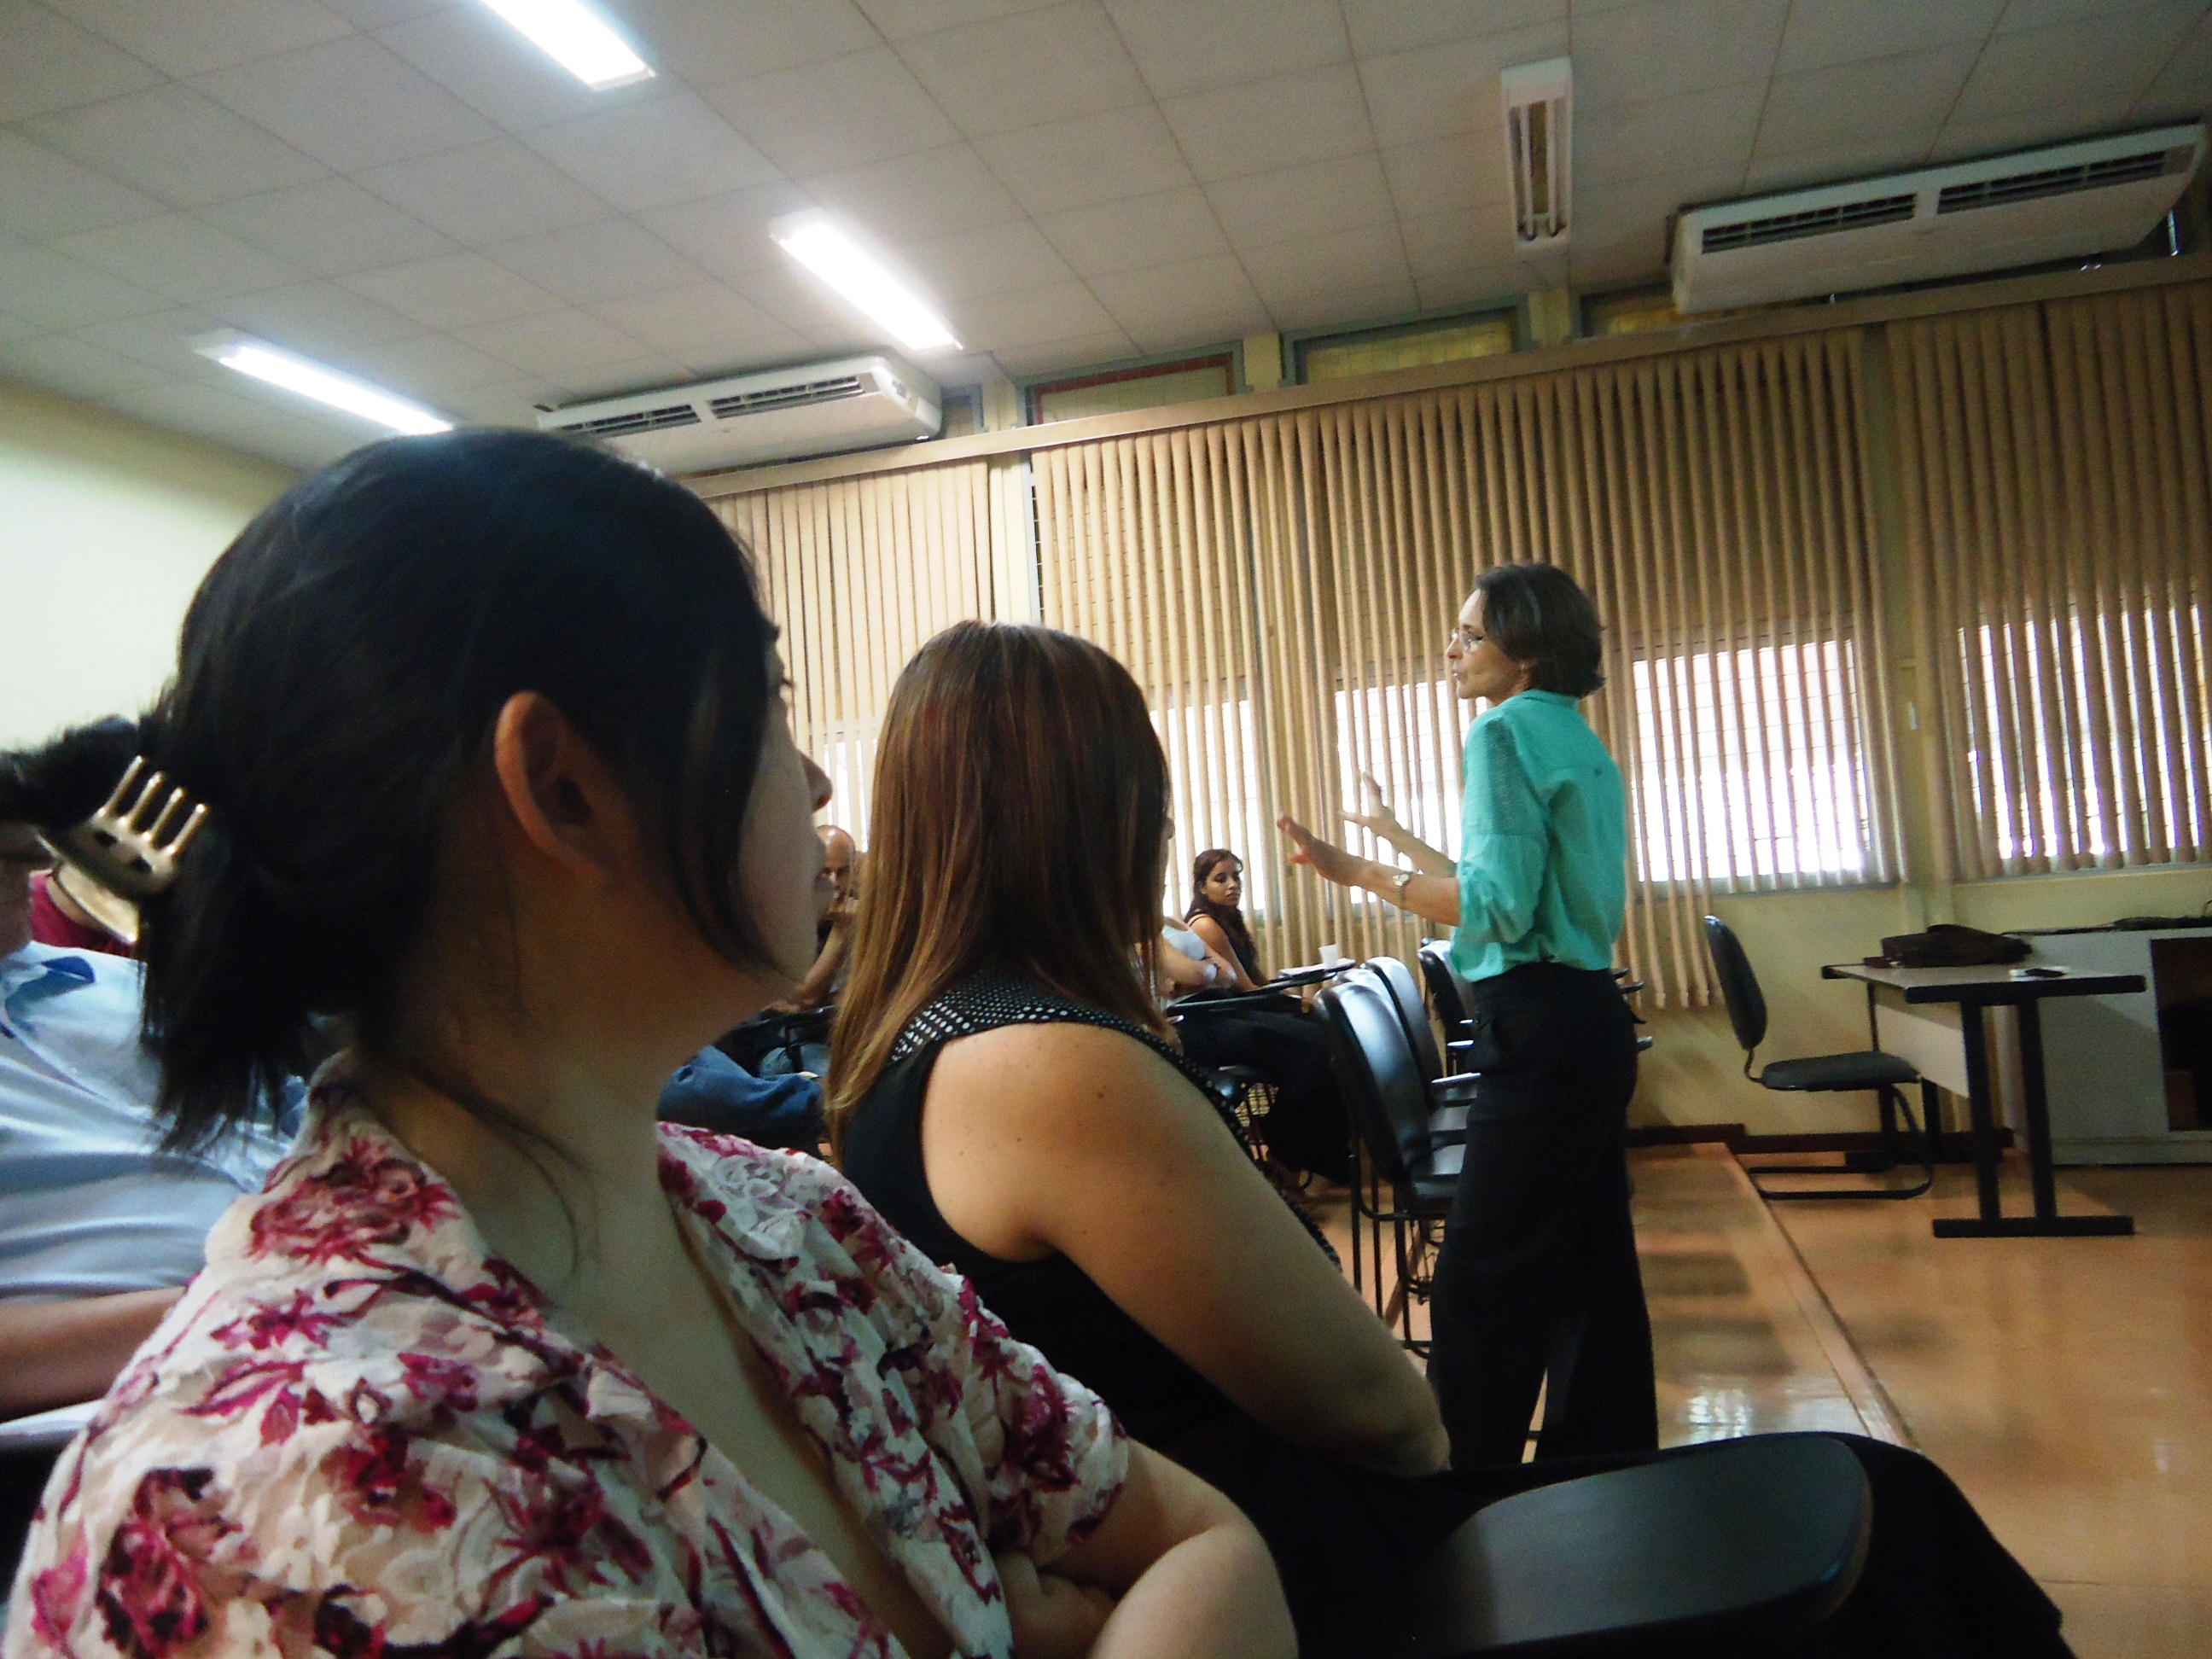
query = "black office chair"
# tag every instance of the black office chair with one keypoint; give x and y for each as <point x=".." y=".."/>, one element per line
<point x="1738" y="1545"/>
<point x="1448" y="991"/>
<point x="1871" y="1069"/>
<point x="1448" y="1117"/>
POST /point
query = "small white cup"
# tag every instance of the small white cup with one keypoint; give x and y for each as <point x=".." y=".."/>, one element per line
<point x="1332" y="956"/>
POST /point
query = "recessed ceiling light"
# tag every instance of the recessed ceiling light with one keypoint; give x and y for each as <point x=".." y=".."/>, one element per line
<point x="308" y="378"/>
<point x="577" y="39"/>
<point x="866" y="282"/>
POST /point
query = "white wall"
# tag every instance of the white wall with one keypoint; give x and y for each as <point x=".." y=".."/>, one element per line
<point x="106" y="527"/>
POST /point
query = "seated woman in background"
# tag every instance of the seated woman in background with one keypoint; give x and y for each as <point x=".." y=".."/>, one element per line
<point x="497" y="769"/>
<point x="1306" y="1126"/>
<point x="1008" y="1096"/>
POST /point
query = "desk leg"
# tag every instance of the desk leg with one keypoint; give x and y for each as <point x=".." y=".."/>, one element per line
<point x="2037" y="1104"/>
<point x="1973" y="1034"/>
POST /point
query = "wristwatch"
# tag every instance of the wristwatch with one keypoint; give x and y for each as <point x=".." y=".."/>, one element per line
<point x="1404" y="876"/>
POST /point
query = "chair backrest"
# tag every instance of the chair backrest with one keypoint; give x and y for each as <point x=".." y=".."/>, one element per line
<point x="1447" y="993"/>
<point x="1413" y="1014"/>
<point x="1376" y="1064"/>
<point x="1747" y="1006"/>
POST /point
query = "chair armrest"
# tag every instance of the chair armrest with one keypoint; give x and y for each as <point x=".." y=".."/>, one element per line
<point x="1454" y="1091"/>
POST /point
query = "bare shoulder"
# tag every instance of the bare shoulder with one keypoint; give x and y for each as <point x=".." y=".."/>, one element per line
<point x="1209" y="930"/>
<point x="1063" y="1073"/>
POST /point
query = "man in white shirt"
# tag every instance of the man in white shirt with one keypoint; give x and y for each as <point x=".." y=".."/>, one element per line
<point x="98" y="1231"/>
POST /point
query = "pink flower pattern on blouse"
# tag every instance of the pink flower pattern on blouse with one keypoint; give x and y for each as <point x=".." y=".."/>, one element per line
<point x="359" y="1435"/>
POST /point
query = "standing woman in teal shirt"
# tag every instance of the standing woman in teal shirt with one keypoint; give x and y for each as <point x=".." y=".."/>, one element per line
<point x="1536" y="1283"/>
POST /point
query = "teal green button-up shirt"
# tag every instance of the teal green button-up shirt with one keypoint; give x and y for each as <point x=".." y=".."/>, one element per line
<point x="1543" y="863"/>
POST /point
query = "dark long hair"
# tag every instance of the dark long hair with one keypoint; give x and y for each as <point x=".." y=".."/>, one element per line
<point x="339" y="675"/>
<point x="1229" y="918"/>
<point x="1020" y="822"/>
<point x="63" y="781"/>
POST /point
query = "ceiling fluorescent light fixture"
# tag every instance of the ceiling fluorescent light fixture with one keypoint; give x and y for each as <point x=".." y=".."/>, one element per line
<point x="305" y="377"/>
<point x="1540" y="151"/>
<point x="832" y="254"/>
<point x="577" y="39"/>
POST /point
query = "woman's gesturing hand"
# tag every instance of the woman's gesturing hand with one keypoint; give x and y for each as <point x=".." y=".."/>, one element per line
<point x="1326" y="860"/>
<point x="1374" y="814"/>
<point x="1053" y="1617"/>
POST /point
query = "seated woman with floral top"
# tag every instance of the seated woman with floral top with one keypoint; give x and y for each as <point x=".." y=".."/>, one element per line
<point x="498" y="773"/>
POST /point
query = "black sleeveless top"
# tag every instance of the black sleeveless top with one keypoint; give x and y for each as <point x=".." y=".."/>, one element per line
<point x="1050" y="1303"/>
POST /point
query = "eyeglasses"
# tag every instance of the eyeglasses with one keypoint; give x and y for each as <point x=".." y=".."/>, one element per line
<point x="1464" y="639"/>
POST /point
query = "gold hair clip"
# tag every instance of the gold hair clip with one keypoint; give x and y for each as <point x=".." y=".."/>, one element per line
<point x="121" y="846"/>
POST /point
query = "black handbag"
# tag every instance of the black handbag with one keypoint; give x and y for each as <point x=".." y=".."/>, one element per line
<point x="1948" y="945"/>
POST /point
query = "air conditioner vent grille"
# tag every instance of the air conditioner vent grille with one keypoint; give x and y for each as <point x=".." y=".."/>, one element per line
<point x="636" y="419"/>
<point x="2057" y="182"/>
<point x="1809" y="221"/>
<point x="787" y="397"/>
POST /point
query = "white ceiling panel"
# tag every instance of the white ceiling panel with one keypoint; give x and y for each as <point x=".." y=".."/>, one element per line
<point x="486" y="193"/>
<point x="625" y="374"/>
<point x="330" y="226"/>
<point x="607" y="259"/>
<point x="1102" y="157"/>
<point x="1441" y="90"/>
<point x="180" y="257"/>
<point x="429" y="368"/>
<point x="2078" y="62"/>
<point x="1627" y="261"/>
<point x="454" y="290"/>
<point x="1318" y="310"/>
<point x="199" y="35"/>
<point x="712" y="42"/>
<point x="982" y="262"/>
<point x="898" y="19"/>
<point x="1834" y="163"/>
<point x="41" y="286"/>
<point x="74" y="366"/>
<point x="1459" y="174"/>
<point x="1056" y="357"/>
<point x="1663" y="48"/>
<point x="50" y="64"/>
<point x="306" y="442"/>
<point x="1185" y="48"/>
<point x="43" y="193"/>
<point x="1821" y="32"/>
<point x="645" y="156"/>
<point x="382" y="14"/>
<point x="2022" y="15"/>
<point x="1170" y="228"/>
<point x="1027" y="68"/>
<point x="1315" y="200"/>
<point x="801" y="304"/>
<point x="1707" y="133"/>
<point x="350" y="104"/>
<point x="553" y="343"/>
<point x="1960" y="140"/>
<point x="1164" y="301"/>
<point x="1473" y="285"/>
<point x="1857" y="104"/>
<point x="724" y="235"/>
<point x="1294" y="272"/>
<point x="194" y="405"/>
<point x="503" y="403"/>
<point x="1316" y="115"/>
<point x="1381" y="27"/>
<point x="705" y="322"/>
<point x="321" y="319"/>
<point x="939" y="192"/>
<point x="865" y="107"/>
<point x="1443" y="243"/>
<point x="15" y="328"/>
<point x="177" y="145"/>
<point x="2185" y="85"/>
<point x="468" y="50"/>
<point x="160" y="340"/>
<point x="1029" y="317"/>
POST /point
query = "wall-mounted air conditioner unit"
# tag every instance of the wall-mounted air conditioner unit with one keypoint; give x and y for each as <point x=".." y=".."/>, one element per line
<point x="2061" y="202"/>
<point x="815" y="409"/>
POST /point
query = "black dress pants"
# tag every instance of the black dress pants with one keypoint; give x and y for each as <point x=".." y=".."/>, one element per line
<point x="1306" y="1129"/>
<point x="1536" y="1283"/>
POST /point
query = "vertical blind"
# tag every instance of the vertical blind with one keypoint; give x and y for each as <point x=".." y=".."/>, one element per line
<point x="2053" y="463"/>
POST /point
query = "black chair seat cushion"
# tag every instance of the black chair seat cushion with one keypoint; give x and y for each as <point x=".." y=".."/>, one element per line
<point x="1738" y="1541"/>
<point x="1822" y="1074"/>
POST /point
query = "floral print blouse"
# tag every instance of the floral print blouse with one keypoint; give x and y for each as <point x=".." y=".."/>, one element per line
<point x="359" y="1434"/>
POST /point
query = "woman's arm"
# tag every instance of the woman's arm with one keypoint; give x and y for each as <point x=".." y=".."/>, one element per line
<point x="1219" y="949"/>
<point x="1080" y="1140"/>
<point x="1435" y="897"/>
<point x="1376" y="818"/>
<point x="57" y="1353"/>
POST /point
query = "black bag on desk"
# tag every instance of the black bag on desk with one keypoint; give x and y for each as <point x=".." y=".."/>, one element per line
<point x="1947" y="945"/>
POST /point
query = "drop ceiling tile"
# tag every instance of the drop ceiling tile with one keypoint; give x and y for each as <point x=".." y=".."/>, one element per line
<point x="44" y="194"/>
<point x="50" y="64"/>
<point x="865" y="107"/>
<point x="553" y="344"/>
<point x="429" y="368"/>
<point x="486" y="193"/>
<point x="1707" y="132"/>
<point x="1312" y="200"/>
<point x="161" y="340"/>
<point x="454" y="290"/>
<point x="350" y="104"/>
<point x="607" y="259"/>
<point x="180" y="257"/>
<point x="1630" y="260"/>
<point x="1457" y="174"/>
<point x="1103" y="157"/>
<point x="1157" y="301"/>
<point x="1348" y="261"/>
<point x="622" y="376"/>
<point x="2183" y="86"/>
<point x="1962" y="140"/>
<point x="1821" y="32"/>
<point x="1383" y="302"/>
<point x="366" y="15"/>
<point x="1025" y="70"/>
<point x="504" y="403"/>
<point x="705" y="321"/>
<point x="1172" y="227"/>
<point x="15" y="328"/>
<point x="193" y="38"/>
<point x="1471" y="286"/>
<point x="1436" y="91"/>
<point x="73" y="367"/>
<point x="728" y="234"/>
<point x="468" y="50"/>
<point x="1903" y="99"/>
<point x="793" y="298"/>
<point x="976" y="263"/>
<point x="2080" y="62"/>
<point x="939" y="192"/>
<point x="306" y="442"/>
<point x="1440" y="243"/>
<point x="710" y="43"/>
<point x="1029" y="317"/>
<point x="191" y="405"/>
<point x="1061" y="357"/>
<point x="177" y="145"/>
<point x="1256" y="126"/>
<point x="643" y="155"/>
<point x="1614" y="213"/>
<point x="1183" y="48"/>
<point x="1838" y="163"/>
<point x="1386" y="26"/>
<point x="1663" y="48"/>
<point x="898" y="19"/>
<point x="2022" y="15"/>
<point x="329" y="226"/>
<point x="41" y="286"/>
<point x="320" y="319"/>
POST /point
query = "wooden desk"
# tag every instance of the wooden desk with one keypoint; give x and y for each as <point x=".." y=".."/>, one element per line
<point x="1972" y="990"/>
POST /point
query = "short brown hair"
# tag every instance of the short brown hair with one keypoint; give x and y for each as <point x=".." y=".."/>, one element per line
<point x="1020" y="822"/>
<point x="1538" y="615"/>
